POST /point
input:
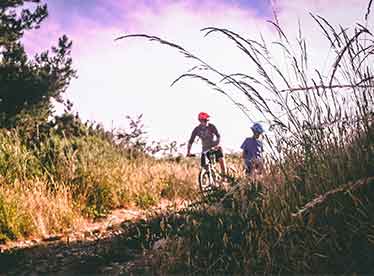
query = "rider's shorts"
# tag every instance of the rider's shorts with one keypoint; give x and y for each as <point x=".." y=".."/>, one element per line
<point x="252" y="166"/>
<point x="216" y="154"/>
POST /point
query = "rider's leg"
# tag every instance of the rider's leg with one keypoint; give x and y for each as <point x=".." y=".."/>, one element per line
<point x="248" y="170"/>
<point x="202" y="161"/>
<point x="221" y="161"/>
<point x="222" y="164"/>
<point x="258" y="167"/>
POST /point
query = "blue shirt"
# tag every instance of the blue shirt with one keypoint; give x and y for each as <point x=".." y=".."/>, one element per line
<point x="252" y="149"/>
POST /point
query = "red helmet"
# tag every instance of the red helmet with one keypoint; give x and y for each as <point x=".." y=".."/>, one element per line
<point x="203" y="116"/>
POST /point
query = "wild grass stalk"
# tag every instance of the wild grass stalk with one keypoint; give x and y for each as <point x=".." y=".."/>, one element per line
<point x="322" y="145"/>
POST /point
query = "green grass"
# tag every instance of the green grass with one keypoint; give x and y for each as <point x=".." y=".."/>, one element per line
<point x="50" y="184"/>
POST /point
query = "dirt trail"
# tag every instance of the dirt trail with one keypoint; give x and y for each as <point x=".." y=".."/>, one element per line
<point x="96" y="249"/>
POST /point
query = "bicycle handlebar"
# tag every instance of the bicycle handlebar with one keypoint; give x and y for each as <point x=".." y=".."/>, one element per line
<point x="203" y="153"/>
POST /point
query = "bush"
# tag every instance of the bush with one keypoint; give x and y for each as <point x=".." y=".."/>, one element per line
<point x="14" y="222"/>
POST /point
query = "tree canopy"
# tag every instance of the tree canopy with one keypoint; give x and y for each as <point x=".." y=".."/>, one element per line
<point x="27" y="85"/>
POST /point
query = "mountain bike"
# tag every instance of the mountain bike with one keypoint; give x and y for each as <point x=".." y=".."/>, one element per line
<point x="209" y="179"/>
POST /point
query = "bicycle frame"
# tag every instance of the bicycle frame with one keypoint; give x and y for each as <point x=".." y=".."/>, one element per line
<point x="208" y="176"/>
<point x="209" y="161"/>
<point x="210" y="180"/>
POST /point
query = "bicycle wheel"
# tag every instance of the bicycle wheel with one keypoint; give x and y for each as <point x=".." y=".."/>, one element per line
<point x="208" y="182"/>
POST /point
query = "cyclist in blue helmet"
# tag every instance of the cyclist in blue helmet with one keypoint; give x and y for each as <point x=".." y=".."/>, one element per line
<point x="252" y="150"/>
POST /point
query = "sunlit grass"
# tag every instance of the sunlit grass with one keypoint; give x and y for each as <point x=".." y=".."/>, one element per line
<point x="50" y="186"/>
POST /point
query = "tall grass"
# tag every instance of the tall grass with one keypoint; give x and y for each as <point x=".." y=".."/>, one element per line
<point x="50" y="184"/>
<point x="311" y="213"/>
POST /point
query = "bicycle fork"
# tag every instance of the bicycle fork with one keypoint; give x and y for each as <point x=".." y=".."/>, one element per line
<point x="212" y="180"/>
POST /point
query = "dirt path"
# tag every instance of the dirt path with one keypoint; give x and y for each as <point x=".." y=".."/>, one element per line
<point x="98" y="248"/>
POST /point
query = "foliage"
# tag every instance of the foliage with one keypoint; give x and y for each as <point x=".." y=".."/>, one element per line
<point x="28" y="86"/>
<point x="135" y="141"/>
<point x="13" y="223"/>
<point x="12" y="26"/>
<point x="70" y="170"/>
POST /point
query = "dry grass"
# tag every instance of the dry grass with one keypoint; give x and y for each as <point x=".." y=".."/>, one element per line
<point x="30" y="209"/>
<point x="51" y="186"/>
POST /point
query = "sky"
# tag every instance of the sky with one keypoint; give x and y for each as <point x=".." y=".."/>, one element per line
<point x="134" y="76"/>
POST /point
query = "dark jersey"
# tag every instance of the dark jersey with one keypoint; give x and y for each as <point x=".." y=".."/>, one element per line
<point x="208" y="134"/>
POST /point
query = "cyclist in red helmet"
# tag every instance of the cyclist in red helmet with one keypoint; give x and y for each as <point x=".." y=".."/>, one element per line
<point x="210" y="139"/>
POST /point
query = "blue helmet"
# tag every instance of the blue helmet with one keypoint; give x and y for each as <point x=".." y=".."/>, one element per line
<point x="257" y="128"/>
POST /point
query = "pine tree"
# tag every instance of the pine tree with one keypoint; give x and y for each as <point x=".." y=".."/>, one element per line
<point x="27" y="86"/>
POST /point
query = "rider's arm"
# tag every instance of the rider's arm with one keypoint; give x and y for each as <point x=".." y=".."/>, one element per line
<point x="216" y="133"/>
<point x="243" y="147"/>
<point x="189" y="149"/>
<point x="243" y="154"/>
<point x="190" y="141"/>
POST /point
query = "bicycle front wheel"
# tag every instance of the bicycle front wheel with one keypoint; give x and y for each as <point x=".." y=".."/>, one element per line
<point x="207" y="182"/>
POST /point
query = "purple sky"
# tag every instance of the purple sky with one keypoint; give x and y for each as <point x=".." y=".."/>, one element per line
<point x="104" y="11"/>
<point x="73" y="16"/>
<point x="134" y="76"/>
